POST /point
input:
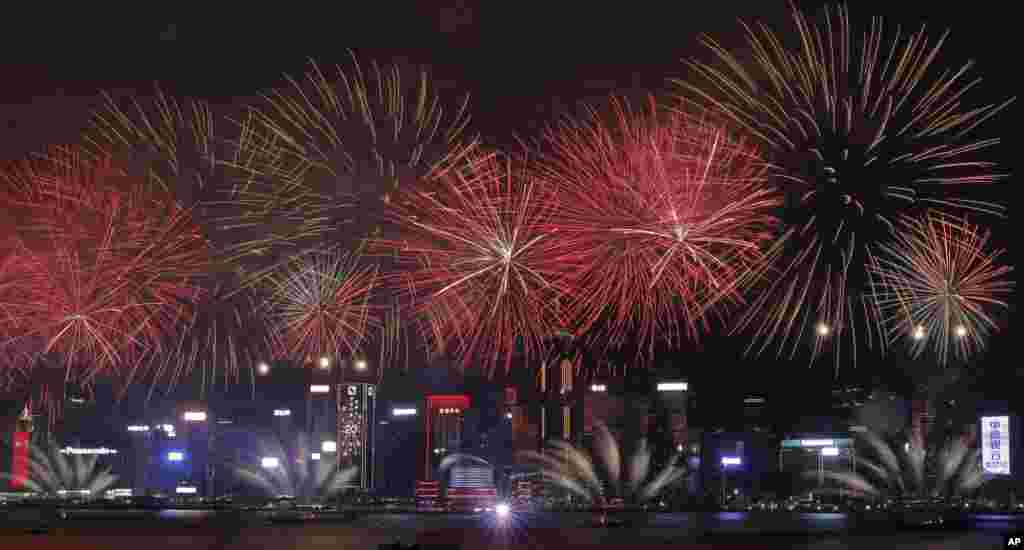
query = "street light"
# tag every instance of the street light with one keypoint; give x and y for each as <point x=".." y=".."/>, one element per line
<point x="262" y="369"/>
<point x="325" y="362"/>
<point x="961" y="331"/>
<point x="823" y="329"/>
<point x="360" y="364"/>
<point x="919" y="333"/>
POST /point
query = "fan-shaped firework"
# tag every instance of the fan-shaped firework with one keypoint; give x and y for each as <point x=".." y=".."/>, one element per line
<point x="107" y="269"/>
<point x="574" y="470"/>
<point x="348" y="139"/>
<point x="320" y="304"/>
<point x="891" y="472"/>
<point x="858" y="129"/>
<point x="662" y="214"/>
<point x="55" y="471"/>
<point x="279" y="470"/>
<point x="937" y="285"/>
<point x="479" y="259"/>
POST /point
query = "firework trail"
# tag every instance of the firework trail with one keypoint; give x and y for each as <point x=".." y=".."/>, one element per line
<point x="479" y="260"/>
<point x="574" y="470"/>
<point x="936" y="284"/>
<point x="889" y="471"/>
<point x="341" y="144"/>
<point x="320" y="304"/>
<point x="292" y="471"/>
<point x="662" y="214"/>
<point x="858" y="128"/>
<point x="54" y="471"/>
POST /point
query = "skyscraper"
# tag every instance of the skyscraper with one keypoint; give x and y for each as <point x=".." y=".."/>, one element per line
<point x="443" y="416"/>
<point x="356" y="426"/>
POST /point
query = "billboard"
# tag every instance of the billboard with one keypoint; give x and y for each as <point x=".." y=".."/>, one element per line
<point x="995" y="444"/>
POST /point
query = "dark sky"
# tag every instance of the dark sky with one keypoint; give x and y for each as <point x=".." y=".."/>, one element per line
<point x="521" y="62"/>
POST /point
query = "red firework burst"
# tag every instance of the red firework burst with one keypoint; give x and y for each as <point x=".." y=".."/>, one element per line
<point x="480" y="261"/>
<point x="107" y="270"/>
<point x="664" y="214"/>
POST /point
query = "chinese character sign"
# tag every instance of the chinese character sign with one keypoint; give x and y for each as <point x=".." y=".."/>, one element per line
<point x="995" y="444"/>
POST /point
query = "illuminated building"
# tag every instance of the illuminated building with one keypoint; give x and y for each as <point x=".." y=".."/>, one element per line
<point x="804" y="455"/>
<point x="356" y="425"/>
<point x="471" y="486"/>
<point x="22" y="438"/>
<point x="443" y="416"/>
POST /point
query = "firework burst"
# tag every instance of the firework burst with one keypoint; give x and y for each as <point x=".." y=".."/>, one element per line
<point x="107" y="270"/>
<point x="320" y="304"/>
<point x="225" y="338"/>
<point x="479" y="259"/>
<point x="662" y="213"/>
<point x="348" y="139"/>
<point x="858" y="129"/>
<point x="574" y="469"/>
<point x="937" y="284"/>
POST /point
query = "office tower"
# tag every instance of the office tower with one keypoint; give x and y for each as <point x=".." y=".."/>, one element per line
<point x="356" y="427"/>
<point x="443" y="417"/>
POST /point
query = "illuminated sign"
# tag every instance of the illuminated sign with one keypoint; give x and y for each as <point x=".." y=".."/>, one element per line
<point x="175" y="456"/>
<point x="598" y="388"/>
<point x="319" y="388"/>
<point x="829" y="451"/>
<point x="186" y="490"/>
<point x="817" y="442"/>
<point x="195" y="416"/>
<point x="753" y="400"/>
<point x="995" y="445"/>
<point x="329" y="446"/>
<point x="138" y="428"/>
<point x="269" y="462"/>
<point x="87" y="451"/>
<point x="282" y="412"/>
<point x="403" y="412"/>
<point x="673" y="386"/>
<point x="315" y="456"/>
<point x="731" y="461"/>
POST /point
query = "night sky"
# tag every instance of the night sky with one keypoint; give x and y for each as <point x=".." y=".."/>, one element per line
<point x="522" y="64"/>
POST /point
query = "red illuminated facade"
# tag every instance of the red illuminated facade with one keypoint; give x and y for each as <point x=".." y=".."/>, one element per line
<point x="443" y="433"/>
<point x="20" y="448"/>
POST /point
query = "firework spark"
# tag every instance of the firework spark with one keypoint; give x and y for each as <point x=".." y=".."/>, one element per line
<point x="663" y="213"/>
<point x="341" y="141"/>
<point x="574" y="470"/>
<point x="320" y="303"/>
<point x="937" y="284"/>
<point x="479" y="259"/>
<point x="858" y="130"/>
